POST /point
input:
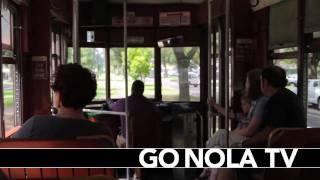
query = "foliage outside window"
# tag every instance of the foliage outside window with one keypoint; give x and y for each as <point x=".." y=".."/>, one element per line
<point x="140" y="67"/>
<point x="8" y="79"/>
<point x="94" y="59"/>
<point x="180" y="74"/>
<point x="7" y="32"/>
<point x="70" y="55"/>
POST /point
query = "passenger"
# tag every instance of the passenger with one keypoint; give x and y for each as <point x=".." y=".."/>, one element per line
<point x="137" y="102"/>
<point x="241" y="117"/>
<point x="74" y="87"/>
<point x="241" y="133"/>
<point x="254" y="116"/>
<point x="282" y="110"/>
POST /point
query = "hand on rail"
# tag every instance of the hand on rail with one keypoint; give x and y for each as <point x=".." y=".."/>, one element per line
<point x="211" y="102"/>
<point x="121" y="141"/>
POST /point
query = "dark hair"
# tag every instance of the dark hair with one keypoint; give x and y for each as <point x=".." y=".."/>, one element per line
<point x="275" y="75"/>
<point x="77" y="85"/>
<point x="254" y="91"/>
<point x="137" y="87"/>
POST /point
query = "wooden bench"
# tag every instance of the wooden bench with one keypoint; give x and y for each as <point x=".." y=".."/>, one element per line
<point x="54" y="173"/>
<point x="144" y="129"/>
<point x="293" y="138"/>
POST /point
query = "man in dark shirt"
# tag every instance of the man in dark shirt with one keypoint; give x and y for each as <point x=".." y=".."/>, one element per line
<point x="283" y="110"/>
<point x="137" y="103"/>
<point x="74" y="87"/>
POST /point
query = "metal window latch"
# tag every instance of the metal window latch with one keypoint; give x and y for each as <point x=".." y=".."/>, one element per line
<point x="17" y="27"/>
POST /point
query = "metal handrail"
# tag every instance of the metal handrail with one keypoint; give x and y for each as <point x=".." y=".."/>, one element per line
<point x="105" y="112"/>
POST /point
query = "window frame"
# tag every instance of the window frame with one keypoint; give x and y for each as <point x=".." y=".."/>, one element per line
<point x="15" y="59"/>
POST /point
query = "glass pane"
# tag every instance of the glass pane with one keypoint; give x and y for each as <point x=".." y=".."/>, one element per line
<point x="70" y="55"/>
<point x="52" y="43"/>
<point x="57" y="50"/>
<point x="180" y="74"/>
<point x="290" y="66"/>
<point x="6" y="22"/>
<point x="94" y="59"/>
<point x="140" y="67"/>
<point x="8" y="71"/>
<point x="313" y="115"/>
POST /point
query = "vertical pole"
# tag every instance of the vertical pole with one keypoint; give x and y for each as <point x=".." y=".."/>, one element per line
<point x="227" y="53"/>
<point x="209" y="67"/>
<point x="125" y="46"/>
<point x="2" y="125"/>
<point x="75" y="32"/>
<point x="302" y="59"/>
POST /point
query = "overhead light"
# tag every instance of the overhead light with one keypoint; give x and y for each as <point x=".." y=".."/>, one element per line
<point x="170" y="41"/>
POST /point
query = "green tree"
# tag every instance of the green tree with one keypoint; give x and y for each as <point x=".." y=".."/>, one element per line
<point x="93" y="59"/>
<point x="139" y="60"/>
<point x="117" y="60"/>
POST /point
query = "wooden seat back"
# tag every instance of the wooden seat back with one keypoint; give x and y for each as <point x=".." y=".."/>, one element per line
<point x="54" y="173"/>
<point x="293" y="138"/>
<point x="144" y="129"/>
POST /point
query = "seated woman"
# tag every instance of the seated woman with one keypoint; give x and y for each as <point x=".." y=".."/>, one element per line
<point x="74" y="87"/>
<point x="254" y="117"/>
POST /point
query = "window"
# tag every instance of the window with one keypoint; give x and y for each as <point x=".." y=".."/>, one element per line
<point x="94" y="59"/>
<point x="70" y="55"/>
<point x="140" y="67"/>
<point x="180" y="72"/>
<point x="11" y="74"/>
<point x="290" y="66"/>
<point x="7" y="32"/>
<point x="8" y="79"/>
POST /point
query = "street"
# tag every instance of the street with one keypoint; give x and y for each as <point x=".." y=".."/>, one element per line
<point x="313" y="118"/>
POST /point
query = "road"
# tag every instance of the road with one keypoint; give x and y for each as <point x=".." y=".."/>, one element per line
<point x="313" y="117"/>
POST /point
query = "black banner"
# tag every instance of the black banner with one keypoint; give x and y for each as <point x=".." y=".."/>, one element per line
<point x="167" y="158"/>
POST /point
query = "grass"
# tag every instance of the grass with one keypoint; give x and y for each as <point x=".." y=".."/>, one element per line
<point x="8" y="98"/>
<point x="117" y="89"/>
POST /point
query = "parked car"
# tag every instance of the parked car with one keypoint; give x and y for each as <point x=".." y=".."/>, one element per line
<point x="292" y="79"/>
<point x="194" y="80"/>
<point x="314" y="92"/>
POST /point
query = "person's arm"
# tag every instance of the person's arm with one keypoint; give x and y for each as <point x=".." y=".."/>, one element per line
<point x="25" y="131"/>
<point x="219" y="108"/>
<point x="260" y="139"/>
<point x="256" y="119"/>
<point x="250" y="129"/>
<point x="118" y="106"/>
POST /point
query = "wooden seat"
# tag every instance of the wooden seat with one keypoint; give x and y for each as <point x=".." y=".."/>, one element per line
<point x="144" y="129"/>
<point x="54" y="173"/>
<point x="109" y="121"/>
<point x="293" y="138"/>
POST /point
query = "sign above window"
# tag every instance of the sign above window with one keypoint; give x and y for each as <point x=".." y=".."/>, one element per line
<point x="182" y="18"/>
<point x="90" y="36"/>
<point x="133" y="20"/>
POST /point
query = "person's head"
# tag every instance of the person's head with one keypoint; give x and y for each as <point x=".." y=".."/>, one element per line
<point x="253" y="84"/>
<point x="137" y="87"/>
<point x="245" y="103"/>
<point x="273" y="78"/>
<point x="74" y="86"/>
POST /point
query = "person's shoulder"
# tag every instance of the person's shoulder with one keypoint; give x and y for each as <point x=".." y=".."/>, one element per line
<point x="288" y="95"/>
<point x="263" y="99"/>
<point x="39" y="118"/>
